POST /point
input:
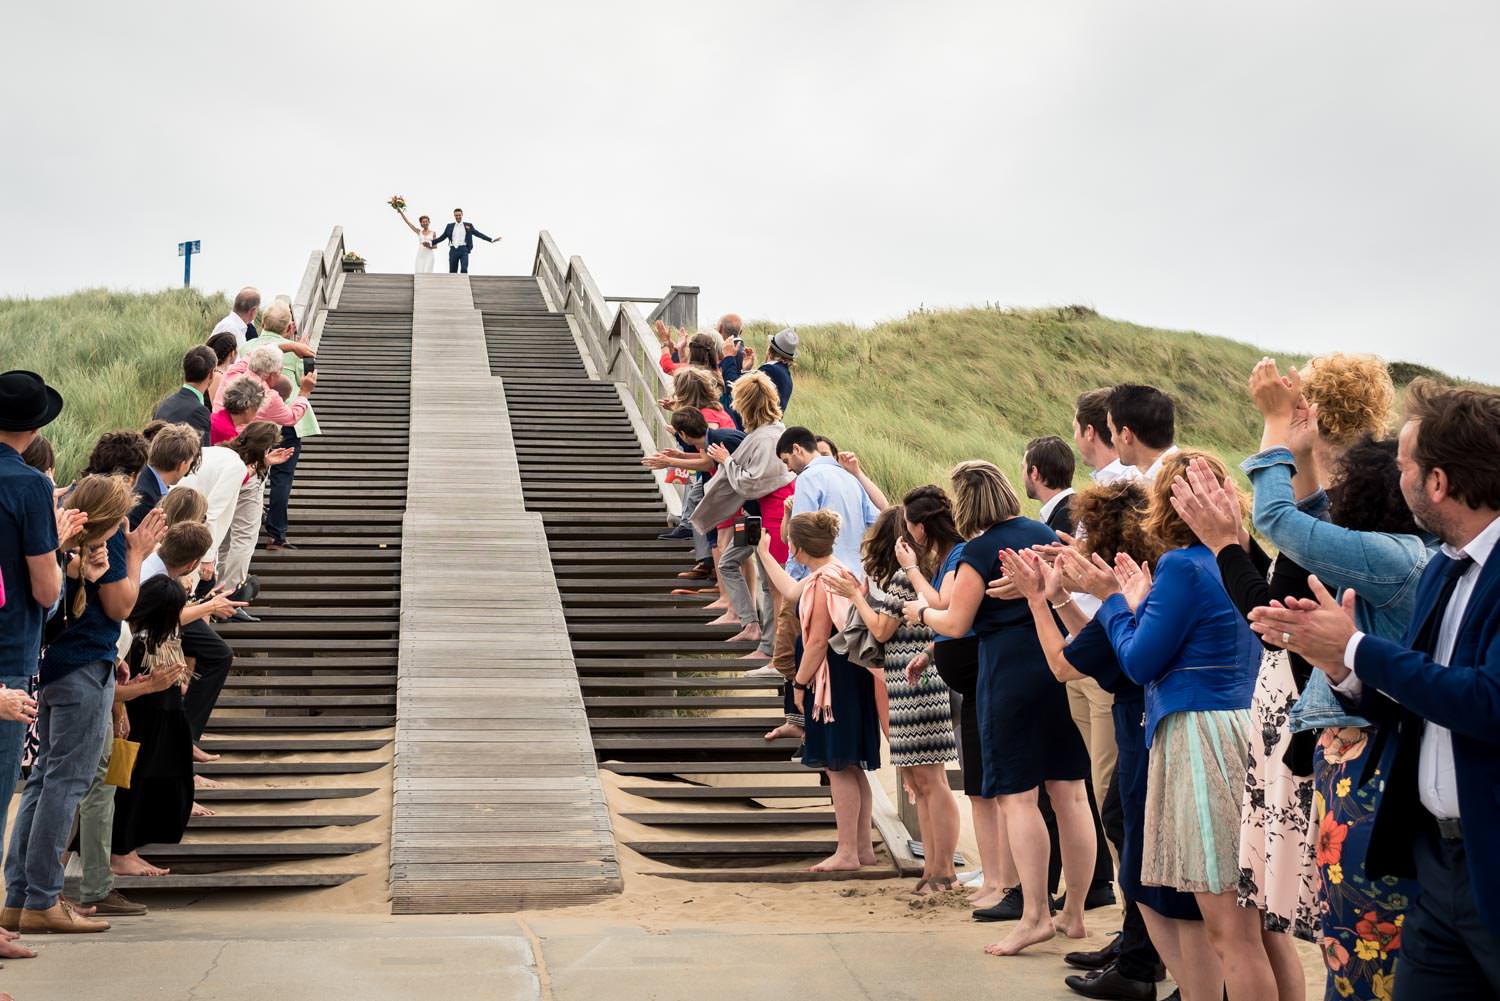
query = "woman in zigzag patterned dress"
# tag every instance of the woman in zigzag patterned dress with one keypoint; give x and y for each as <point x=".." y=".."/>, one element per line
<point x="921" y="712"/>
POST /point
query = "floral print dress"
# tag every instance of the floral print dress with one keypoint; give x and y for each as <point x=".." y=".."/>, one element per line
<point x="1361" y="916"/>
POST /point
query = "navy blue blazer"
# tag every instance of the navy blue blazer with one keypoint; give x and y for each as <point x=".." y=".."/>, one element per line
<point x="184" y="407"/>
<point x="148" y="494"/>
<point x="1465" y="698"/>
<point x="469" y="233"/>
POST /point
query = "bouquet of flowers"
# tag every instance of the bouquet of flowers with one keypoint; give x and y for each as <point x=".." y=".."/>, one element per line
<point x="353" y="258"/>
<point x="397" y="202"/>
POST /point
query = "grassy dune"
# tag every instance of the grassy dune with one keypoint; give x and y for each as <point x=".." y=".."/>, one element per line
<point x="914" y="396"/>
<point x="112" y="355"/>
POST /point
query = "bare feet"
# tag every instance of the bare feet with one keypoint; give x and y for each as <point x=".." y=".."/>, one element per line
<point x="785" y="730"/>
<point x="1024" y="935"/>
<point x="750" y="634"/>
<point x="867" y="856"/>
<point x="1070" y="925"/>
<point x="717" y="606"/>
<point x="134" y="865"/>
<point x="10" y="949"/>
<point x="754" y="655"/>
<point x="987" y="897"/>
<point x="203" y="757"/>
<point x="727" y="619"/>
<point x="837" y="863"/>
<point x="204" y="782"/>
<point x="202" y="811"/>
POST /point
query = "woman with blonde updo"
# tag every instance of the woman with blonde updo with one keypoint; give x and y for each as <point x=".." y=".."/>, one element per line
<point x="837" y="697"/>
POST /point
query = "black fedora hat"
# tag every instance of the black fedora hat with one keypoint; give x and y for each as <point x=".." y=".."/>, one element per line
<point x="26" y="402"/>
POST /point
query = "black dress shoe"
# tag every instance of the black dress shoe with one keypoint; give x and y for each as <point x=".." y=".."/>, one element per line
<point x="1009" y="907"/>
<point x="1099" y="895"/>
<point x="240" y="615"/>
<point x="682" y="533"/>
<point x="1107" y="983"/>
<point x="1098" y="959"/>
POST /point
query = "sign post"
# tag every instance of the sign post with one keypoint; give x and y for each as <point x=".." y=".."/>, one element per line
<point x="186" y="251"/>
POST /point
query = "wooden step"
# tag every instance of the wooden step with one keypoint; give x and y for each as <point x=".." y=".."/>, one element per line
<point x="681" y="792"/>
<point x="735" y="818"/>
<point x="242" y="821"/>
<point x="241" y="794"/>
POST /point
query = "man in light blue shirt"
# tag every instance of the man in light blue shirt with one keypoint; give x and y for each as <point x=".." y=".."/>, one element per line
<point x="823" y="484"/>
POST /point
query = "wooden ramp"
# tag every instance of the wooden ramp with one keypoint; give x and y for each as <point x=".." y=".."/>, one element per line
<point x="665" y="694"/>
<point x="497" y="799"/>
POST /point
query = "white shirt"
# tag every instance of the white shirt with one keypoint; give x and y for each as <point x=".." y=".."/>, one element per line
<point x="219" y="476"/>
<point x="236" y="326"/>
<point x="1436" y="784"/>
<point x="152" y="566"/>
<point x="1051" y="505"/>
<point x="1161" y="460"/>
<point x="1114" y="472"/>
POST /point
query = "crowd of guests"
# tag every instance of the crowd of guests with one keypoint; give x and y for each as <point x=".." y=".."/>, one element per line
<point x="1265" y="716"/>
<point x="113" y="586"/>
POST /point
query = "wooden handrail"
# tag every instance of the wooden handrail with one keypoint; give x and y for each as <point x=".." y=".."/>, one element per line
<point x="321" y="280"/>
<point x="621" y="343"/>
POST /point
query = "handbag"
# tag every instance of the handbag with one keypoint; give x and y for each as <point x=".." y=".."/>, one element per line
<point x="121" y="762"/>
<point x="854" y="640"/>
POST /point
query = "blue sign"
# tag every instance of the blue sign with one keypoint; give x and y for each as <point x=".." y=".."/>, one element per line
<point x="186" y="250"/>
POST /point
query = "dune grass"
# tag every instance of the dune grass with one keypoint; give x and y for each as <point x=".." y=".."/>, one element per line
<point x="916" y="395"/>
<point x="112" y="355"/>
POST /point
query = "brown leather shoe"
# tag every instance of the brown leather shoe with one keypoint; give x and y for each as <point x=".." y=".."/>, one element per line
<point x="59" y="919"/>
<point x="700" y="572"/>
<point x="116" y="905"/>
<point x="10" y="919"/>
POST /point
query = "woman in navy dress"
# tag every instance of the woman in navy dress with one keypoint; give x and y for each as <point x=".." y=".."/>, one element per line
<point x="836" y="696"/>
<point x="1026" y="731"/>
<point x="1161" y="924"/>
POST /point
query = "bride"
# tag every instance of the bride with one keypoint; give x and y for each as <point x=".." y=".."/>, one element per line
<point x="425" y="236"/>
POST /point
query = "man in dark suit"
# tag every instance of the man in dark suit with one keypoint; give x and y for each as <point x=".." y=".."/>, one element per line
<point x="458" y="251"/>
<point x="173" y="453"/>
<point x="1048" y="474"/>
<point x="1438" y="691"/>
<point x="189" y="405"/>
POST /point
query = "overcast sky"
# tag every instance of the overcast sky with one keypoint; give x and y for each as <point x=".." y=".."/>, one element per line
<point x="1298" y="175"/>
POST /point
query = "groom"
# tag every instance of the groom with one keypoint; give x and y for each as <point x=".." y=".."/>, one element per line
<point x="458" y="252"/>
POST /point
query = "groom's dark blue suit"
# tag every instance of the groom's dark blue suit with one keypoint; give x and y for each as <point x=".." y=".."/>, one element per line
<point x="1452" y="932"/>
<point x="458" y="253"/>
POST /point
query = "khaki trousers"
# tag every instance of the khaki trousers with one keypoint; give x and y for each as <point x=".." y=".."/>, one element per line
<point x="1091" y="707"/>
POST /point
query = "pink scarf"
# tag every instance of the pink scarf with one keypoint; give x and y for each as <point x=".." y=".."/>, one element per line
<point x="838" y="611"/>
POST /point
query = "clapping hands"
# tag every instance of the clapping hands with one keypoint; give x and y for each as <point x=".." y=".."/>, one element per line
<point x="1211" y="509"/>
<point x="1275" y="395"/>
<point x="69" y="523"/>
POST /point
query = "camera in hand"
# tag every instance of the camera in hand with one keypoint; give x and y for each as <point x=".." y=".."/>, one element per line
<point x="747" y="531"/>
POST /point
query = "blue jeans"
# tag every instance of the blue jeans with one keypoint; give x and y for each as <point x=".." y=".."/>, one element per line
<point x="281" y="486"/>
<point x="12" y="743"/>
<point x="702" y="544"/>
<point x="72" y="724"/>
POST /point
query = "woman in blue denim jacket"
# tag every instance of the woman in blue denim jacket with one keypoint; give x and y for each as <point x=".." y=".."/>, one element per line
<point x="1357" y="533"/>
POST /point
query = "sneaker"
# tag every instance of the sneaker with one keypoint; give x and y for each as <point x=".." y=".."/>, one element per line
<point x="764" y="671"/>
<point x="975" y="878"/>
<point x="682" y="533"/>
<point x="116" y="905"/>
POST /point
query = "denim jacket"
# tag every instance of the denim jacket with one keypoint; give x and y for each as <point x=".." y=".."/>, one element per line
<point x="1383" y="568"/>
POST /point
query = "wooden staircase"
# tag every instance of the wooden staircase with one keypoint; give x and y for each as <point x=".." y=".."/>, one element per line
<point x="665" y="692"/>
<point x="309" y="706"/>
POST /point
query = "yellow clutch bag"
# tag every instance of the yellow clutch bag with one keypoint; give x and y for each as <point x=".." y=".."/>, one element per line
<point x="121" y="763"/>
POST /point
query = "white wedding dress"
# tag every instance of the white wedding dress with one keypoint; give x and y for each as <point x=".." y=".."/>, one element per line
<point x="425" y="254"/>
